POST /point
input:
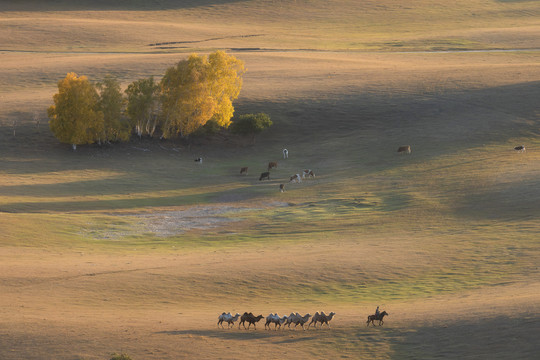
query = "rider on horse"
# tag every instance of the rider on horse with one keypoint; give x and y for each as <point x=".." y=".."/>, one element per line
<point x="377" y="313"/>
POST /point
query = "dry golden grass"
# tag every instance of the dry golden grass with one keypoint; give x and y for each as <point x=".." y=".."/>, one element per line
<point x="445" y="239"/>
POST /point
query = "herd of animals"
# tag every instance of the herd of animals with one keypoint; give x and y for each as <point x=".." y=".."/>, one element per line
<point x="308" y="173"/>
<point x="282" y="321"/>
<point x="278" y="321"/>
<point x="296" y="318"/>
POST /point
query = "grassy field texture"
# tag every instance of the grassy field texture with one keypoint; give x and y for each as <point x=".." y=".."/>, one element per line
<point x="136" y="248"/>
<point x="180" y="26"/>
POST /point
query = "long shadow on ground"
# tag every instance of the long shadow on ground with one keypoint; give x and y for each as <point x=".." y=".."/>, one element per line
<point x="469" y="338"/>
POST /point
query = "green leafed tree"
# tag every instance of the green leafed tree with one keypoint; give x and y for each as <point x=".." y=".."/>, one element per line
<point x="250" y="124"/>
<point x="111" y="104"/>
<point x="143" y="105"/>
<point x="200" y="89"/>
<point x="75" y="118"/>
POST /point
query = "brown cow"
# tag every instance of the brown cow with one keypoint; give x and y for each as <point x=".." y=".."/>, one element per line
<point x="404" y="149"/>
<point x="272" y="164"/>
<point x="243" y="170"/>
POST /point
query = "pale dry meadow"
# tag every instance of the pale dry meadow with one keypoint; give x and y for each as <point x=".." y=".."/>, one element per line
<point x="135" y="248"/>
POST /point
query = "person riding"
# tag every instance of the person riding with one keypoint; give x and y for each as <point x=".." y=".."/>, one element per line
<point x="377" y="313"/>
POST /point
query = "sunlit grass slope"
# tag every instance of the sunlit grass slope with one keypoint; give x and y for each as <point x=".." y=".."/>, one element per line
<point x="181" y="26"/>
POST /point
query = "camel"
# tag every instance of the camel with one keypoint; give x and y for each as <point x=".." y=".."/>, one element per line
<point x="291" y="318"/>
<point x="322" y="318"/>
<point x="373" y="318"/>
<point x="223" y="317"/>
<point x="301" y="320"/>
<point x="228" y="318"/>
<point x="232" y="320"/>
<point x="276" y="320"/>
<point x="251" y="319"/>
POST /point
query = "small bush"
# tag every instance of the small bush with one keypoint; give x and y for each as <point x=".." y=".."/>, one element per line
<point x="210" y="128"/>
<point x="250" y="124"/>
<point x="121" y="356"/>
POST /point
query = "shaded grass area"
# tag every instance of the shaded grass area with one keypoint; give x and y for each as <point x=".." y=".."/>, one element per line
<point x="417" y="200"/>
<point x="469" y="338"/>
<point x="463" y="338"/>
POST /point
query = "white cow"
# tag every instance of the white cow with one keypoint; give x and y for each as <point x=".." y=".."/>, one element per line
<point x="296" y="178"/>
<point x="285" y="153"/>
<point x="308" y="173"/>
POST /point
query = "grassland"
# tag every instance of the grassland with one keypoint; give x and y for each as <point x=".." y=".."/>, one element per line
<point x="135" y="248"/>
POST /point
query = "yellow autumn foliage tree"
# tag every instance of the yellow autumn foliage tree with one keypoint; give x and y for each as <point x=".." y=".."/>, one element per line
<point x="199" y="89"/>
<point x="74" y="117"/>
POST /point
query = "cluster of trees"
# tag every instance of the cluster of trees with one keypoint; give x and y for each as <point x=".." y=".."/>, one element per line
<point x="196" y="93"/>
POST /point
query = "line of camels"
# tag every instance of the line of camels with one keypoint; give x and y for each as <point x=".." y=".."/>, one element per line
<point x="281" y="322"/>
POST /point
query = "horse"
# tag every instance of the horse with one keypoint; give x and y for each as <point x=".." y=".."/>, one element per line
<point x="373" y="318"/>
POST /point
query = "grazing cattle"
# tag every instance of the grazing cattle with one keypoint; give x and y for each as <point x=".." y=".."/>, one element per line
<point x="271" y="165"/>
<point x="243" y="170"/>
<point x="285" y="153"/>
<point x="520" y="148"/>
<point x="250" y="319"/>
<point x="405" y="149"/>
<point x="296" y="178"/>
<point x="308" y="173"/>
<point x="282" y="187"/>
<point x="264" y="175"/>
<point x="198" y="160"/>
